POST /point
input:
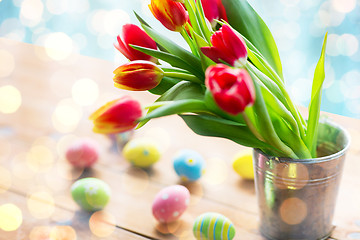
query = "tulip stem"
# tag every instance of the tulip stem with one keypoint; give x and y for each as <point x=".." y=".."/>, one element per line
<point x="183" y="76"/>
<point x="252" y="127"/>
<point x="193" y="48"/>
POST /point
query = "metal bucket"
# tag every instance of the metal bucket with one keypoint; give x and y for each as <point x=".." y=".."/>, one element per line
<point x="297" y="197"/>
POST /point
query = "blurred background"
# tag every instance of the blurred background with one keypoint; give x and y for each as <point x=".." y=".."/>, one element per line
<point x="90" y="28"/>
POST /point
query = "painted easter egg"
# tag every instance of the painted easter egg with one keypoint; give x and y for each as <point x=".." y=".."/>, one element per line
<point x="141" y="152"/>
<point x="91" y="194"/>
<point x="213" y="226"/>
<point x="83" y="153"/>
<point x="189" y="165"/>
<point x="170" y="203"/>
<point x="243" y="165"/>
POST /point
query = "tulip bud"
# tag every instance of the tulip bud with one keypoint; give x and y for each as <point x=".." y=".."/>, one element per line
<point x="138" y="76"/>
<point x="233" y="89"/>
<point x="132" y="34"/>
<point x="213" y="10"/>
<point x="170" y="13"/>
<point x="228" y="46"/>
<point x="117" y="116"/>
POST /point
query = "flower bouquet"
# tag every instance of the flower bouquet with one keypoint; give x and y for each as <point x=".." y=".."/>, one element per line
<point x="228" y="83"/>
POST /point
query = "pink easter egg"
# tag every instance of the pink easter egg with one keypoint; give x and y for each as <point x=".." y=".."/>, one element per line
<point x="82" y="153"/>
<point x="170" y="203"/>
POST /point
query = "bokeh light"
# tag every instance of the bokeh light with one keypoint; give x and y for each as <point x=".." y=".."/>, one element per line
<point x="41" y="204"/>
<point x="40" y="158"/>
<point x="58" y="45"/>
<point x="344" y="6"/>
<point x="53" y="233"/>
<point x="85" y="91"/>
<point x="10" y="217"/>
<point x="216" y="171"/>
<point x="31" y="12"/>
<point x="102" y="224"/>
<point x="10" y="99"/>
<point x="66" y="116"/>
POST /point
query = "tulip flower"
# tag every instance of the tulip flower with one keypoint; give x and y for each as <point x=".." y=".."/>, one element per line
<point x="228" y="46"/>
<point x="117" y="116"/>
<point x="171" y="14"/>
<point x="214" y="10"/>
<point x="233" y="89"/>
<point x="138" y="76"/>
<point x="132" y="34"/>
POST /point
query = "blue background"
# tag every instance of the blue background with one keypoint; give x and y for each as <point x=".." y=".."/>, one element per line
<point x="90" y="28"/>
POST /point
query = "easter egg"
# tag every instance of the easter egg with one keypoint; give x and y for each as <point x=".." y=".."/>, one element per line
<point x="189" y="165"/>
<point x="213" y="226"/>
<point x="243" y="165"/>
<point x="170" y="203"/>
<point x="141" y="152"/>
<point x="83" y="153"/>
<point x="91" y="194"/>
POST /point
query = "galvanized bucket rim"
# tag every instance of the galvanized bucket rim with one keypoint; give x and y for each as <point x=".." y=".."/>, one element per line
<point x="319" y="159"/>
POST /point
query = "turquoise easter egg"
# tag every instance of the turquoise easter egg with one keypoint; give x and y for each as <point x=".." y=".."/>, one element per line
<point x="91" y="194"/>
<point x="213" y="226"/>
<point x="189" y="165"/>
<point x="141" y="153"/>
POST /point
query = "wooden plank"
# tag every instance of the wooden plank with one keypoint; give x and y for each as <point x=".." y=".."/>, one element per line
<point x="61" y="224"/>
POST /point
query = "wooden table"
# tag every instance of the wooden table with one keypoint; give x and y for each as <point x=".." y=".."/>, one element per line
<point x="36" y="178"/>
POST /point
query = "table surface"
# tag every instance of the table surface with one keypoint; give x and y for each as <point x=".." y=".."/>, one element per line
<point x="54" y="110"/>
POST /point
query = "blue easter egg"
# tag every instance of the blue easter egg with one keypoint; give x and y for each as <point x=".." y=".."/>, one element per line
<point x="189" y="165"/>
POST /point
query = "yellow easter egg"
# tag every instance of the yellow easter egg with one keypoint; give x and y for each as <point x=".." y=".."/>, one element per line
<point x="243" y="164"/>
<point x="141" y="152"/>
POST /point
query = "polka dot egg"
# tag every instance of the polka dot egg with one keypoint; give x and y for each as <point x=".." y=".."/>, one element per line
<point x="243" y="165"/>
<point x="213" y="226"/>
<point x="141" y="152"/>
<point x="82" y="153"/>
<point x="189" y="165"/>
<point x="170" y="203"/>
<point x="91" y="194"/>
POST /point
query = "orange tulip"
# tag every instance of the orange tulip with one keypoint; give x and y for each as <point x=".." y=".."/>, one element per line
<point x="117" y="116"/>
<point x="138" y="76"/>
<point x="170" y="13"/>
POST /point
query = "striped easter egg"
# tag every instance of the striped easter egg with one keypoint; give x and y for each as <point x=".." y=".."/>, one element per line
<point x="213" y="226"/>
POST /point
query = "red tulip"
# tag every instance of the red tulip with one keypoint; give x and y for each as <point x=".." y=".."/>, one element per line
<point x="138" y="76"/>
<point x="170" y="13"/>
<point x="233" y="89"/>
<point x="228" y="46"/>
<point x="132" y="34"/>
<point x="116" y="116"/>
<point x="214" y="10"/>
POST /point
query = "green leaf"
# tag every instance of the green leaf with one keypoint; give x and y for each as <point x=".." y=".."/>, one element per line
<point x="177" y="107"/>
<point x="264" y="80"/>
<point x="165" y="84"/>
<point x="217" y="127"/>
<point x="180" y="91"/>
<point x="178" y="51"/>
<point x="314" y="108"/>
<point x="244" y="19"/>
<point x="173" y="60"/>
<point x="191" y="9"/>
<point x="183" y="90"/>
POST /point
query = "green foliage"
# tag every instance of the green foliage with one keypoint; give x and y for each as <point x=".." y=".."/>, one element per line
<point x="314" y="108"/>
